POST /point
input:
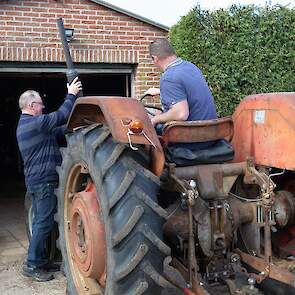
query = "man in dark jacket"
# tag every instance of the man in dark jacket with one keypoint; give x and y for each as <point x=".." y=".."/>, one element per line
<point x="37" y="135"/>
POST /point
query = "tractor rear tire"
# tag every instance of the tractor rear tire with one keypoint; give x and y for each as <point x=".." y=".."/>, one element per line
<point x="126" y="195"/>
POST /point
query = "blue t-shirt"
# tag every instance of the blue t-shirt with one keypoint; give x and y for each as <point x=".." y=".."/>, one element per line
<point x="183" y="80"/>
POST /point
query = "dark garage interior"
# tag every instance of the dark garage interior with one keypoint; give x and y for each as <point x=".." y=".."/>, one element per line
<point x="50" y="82"/>
<point x="52" y="87"/>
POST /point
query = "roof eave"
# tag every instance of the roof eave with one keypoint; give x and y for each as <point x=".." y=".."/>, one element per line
<point x="134" y="15"/>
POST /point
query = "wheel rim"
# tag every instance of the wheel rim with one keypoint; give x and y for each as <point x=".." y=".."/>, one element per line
<point x="84" y="233"/>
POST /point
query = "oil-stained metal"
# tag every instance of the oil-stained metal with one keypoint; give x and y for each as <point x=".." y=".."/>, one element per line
<point x="210" y="177"/>
<point x="268" y="270"/>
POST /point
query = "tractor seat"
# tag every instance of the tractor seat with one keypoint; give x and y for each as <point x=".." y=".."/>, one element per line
<point x="217" y="131"/>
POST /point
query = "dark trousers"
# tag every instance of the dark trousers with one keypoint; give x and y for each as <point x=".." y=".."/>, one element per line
<point x="44" y="208"/>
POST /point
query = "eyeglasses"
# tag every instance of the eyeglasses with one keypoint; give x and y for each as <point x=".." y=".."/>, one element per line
<point x="40" y="103"/>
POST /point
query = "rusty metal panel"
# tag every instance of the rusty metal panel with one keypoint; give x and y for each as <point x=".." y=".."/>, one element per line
<point x="198" y="131"/>
<point x="117" y="113"/>
<point x="270" y="269"/>
<point x="264" y="128"/>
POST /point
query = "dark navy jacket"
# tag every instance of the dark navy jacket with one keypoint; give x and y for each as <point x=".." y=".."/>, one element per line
<point x="37" y="140"/>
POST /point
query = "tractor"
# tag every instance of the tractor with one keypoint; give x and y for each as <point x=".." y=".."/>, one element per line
<point x="223" y="220"/>
<point x="136" y="217"/>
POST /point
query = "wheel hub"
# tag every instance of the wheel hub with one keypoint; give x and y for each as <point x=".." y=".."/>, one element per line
<point x="88" y="245"/>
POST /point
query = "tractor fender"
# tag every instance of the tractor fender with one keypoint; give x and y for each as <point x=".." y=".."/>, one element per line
<point x="264" y="128"/>
<point x="117" y="113"/>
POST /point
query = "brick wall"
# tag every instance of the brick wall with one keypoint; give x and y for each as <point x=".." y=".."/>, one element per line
<point x="28" y="33"/>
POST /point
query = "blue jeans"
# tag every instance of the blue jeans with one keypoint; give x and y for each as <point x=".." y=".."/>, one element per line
<point x="159" y="128"/>
<point x="44" y="208"/>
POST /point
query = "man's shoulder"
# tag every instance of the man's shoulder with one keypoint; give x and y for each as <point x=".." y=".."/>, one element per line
<point x="189" y="66"/>
<point x="25" y="119"/>
<point x="178" y="69"/>
<point x="172" y="74"/>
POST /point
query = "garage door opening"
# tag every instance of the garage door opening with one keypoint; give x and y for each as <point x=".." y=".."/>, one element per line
<point x="52" y="87"/>
<point x="49" y="80"/>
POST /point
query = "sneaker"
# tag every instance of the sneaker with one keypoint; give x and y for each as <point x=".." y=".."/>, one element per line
<point x="36" y="273"/>
<point x="51" y="267"/>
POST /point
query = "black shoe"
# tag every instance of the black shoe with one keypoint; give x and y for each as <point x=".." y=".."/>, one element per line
<point x="51" y="267"/>
<point x="36" y="273"/>
<point x="62" y="269"/>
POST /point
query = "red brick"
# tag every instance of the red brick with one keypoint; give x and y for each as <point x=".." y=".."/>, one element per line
<point x="41" y="20"/>
<point x="5" y="18"/>
<point x="100" y="35"/>
<point x="24" y="29"/>
<point x="56" y="10"/>
<point x="20" y="8"/>
<point x="23" y="19"/>
<point x="13" y="13"/>
<point x="15" y="44"/>
<point x="88" y="12"/>
<point x="30" y="14"/>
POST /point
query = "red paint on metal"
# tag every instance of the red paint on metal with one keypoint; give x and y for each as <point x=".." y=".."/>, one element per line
<point x="264" y="128"/>
<point x="188" y="292"/>
<point x="117" y="113"/>
<point x="88" y="235"/>
<point x="198" y="131"/>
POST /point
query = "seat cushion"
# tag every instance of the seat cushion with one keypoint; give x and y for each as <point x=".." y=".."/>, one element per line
<point x="220" y="152"/>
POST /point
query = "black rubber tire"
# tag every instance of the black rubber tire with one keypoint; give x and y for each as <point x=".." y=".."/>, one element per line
<point x="132" y="218"/>
<point x="52" y="252"/>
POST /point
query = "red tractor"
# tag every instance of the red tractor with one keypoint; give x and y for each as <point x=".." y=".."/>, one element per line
<point x="225" y="223"/>
<point x="135" y="218"/>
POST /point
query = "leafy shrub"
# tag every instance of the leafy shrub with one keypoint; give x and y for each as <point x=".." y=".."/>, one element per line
<point x="241" y="51"/>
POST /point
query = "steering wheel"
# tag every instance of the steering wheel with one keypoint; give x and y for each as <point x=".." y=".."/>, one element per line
<point x="151" y="109"/>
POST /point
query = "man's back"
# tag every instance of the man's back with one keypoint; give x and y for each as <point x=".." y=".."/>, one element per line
<point x="36" y="136"/>
<point x="183" y="80"/>
<point x="39" y="151"/>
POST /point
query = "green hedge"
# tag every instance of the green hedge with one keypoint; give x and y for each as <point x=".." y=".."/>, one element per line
<point x="242" y="50"/>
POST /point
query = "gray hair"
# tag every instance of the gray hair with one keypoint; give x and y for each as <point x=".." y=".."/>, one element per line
<point x="27" y="97"/>
<point x="161" y="47"/>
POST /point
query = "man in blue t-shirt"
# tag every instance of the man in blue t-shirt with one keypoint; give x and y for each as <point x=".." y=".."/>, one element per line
<point x="184" y="92"/>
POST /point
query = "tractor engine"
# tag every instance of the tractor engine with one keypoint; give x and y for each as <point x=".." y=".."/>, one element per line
<point x="237" y="213"/>
<point x="239" y="217"/>
<point x="221" y="225"/>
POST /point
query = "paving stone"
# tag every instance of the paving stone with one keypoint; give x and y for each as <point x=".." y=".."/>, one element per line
<point x="4" y="233"/>
<point x="6" y="239"/>
<point x="10" y="245"/>
<point x="13" y="251"/>
<point x="24" y="243"/>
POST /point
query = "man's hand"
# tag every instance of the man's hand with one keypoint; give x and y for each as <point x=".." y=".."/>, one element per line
<point x="152" y="91"/>
<point x="74" y="87"/>
<point x="178" y="112"/>
<point x="154" y="120"/>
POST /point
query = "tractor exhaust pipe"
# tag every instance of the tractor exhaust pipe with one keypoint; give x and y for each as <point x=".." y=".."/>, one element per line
<point x="72" y="73"/>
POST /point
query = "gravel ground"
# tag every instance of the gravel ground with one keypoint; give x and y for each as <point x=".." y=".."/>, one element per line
<point x="12" y="282"/>
<point x="13" y="249"/>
